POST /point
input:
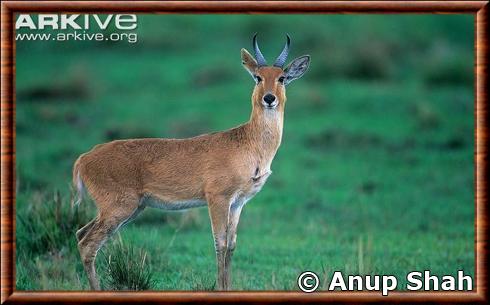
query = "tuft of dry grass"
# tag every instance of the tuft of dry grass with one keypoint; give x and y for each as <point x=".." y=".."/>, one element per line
<point x="127" y="268"/>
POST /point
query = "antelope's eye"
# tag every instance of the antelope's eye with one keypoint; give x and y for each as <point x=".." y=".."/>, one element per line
<point x="281" y="79"/>
<point x="258" y="78"/>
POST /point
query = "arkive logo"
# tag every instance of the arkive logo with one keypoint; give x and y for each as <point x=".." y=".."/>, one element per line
<point x="76" y="27"/>
<point x="76" y="22"/>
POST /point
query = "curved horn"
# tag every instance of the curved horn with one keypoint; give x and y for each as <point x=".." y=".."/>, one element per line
<point x="281" y="59"/>
<point x="258" y="55"/>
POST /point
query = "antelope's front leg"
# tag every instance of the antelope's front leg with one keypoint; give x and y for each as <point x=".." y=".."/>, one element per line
<point x="234" y="218"/>
<point x="219" y="212"/>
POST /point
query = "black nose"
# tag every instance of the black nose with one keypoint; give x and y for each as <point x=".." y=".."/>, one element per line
<point x="269" y="98"/>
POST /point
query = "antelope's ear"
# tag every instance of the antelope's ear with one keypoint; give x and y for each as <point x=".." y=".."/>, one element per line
<point x="249" y="62"/>
<point x="296" y="68"/>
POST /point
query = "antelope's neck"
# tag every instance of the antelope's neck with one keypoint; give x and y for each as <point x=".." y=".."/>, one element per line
<point x="266" y="129"/>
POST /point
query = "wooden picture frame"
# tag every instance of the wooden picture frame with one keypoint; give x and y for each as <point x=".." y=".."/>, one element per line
<point x="479" y="9"/>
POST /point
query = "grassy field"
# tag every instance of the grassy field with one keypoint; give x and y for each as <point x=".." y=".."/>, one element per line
<point x="374" y="175"/>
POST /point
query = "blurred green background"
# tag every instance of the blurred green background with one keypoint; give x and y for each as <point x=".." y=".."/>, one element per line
<point x="374" y="174"/>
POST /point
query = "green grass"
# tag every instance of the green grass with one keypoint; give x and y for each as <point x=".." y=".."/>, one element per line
<point x="374" y="174"/>
<point x="126" y="268"/>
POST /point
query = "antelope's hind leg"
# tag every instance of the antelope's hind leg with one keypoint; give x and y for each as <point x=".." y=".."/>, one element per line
<point x="112" y="215"/>
<point x="82" y="231"/>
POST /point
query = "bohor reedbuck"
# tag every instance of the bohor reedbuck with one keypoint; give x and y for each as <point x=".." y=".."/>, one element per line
<point x="222" y="170"/>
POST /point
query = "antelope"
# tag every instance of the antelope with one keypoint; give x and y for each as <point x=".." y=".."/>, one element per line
<point x="222" y="170"/>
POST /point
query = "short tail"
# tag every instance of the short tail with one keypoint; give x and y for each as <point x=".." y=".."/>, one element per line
<point x="79" y="188"/>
